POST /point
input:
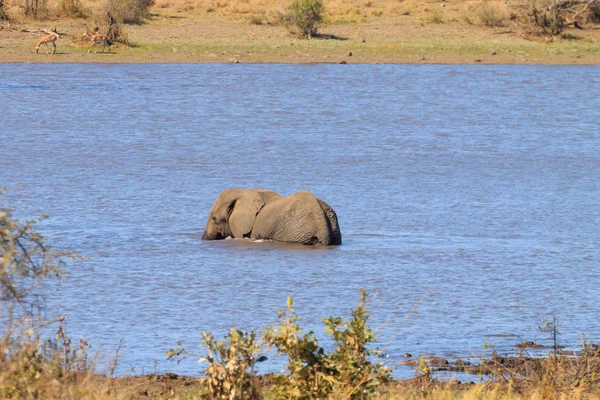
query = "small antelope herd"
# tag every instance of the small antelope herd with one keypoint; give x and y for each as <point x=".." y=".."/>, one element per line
<point x="97" y="39"/>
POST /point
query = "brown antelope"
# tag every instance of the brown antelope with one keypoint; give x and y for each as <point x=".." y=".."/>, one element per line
<point x="97" y="39"/>
<point x="49" y="39"/>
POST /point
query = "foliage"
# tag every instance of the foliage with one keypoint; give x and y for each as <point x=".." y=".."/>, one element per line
<point x="347" y="372"/>
<point x="32" y="368"/>
<point x="355" y="375"/>
<point x="129" y="11"/>
<point x="72" y="9"/>
<point x="309" y="375"/>
<point x="306" y="15"/>
<point x="230" y="370"/>
<point x="29" y="367"/>
<point x="26" y="260"/>
<point x="490" y="16"/>
<point x="552" y="17"/>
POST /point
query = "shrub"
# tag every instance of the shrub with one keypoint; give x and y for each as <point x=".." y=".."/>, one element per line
<point x="72" y="9"/>
<point x="129" y="11"/>
<point x="347" y="372"/>
<point x="490" y="16"/>
<point x="552" y="17"/>
<point x="435" y="17"/>
<point x="306" y="15"/>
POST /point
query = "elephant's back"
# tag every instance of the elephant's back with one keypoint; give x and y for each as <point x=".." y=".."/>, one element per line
<point x="298" y="218"/>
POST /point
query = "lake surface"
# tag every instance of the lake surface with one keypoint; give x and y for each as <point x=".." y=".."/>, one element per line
<point x="469" y="193"/>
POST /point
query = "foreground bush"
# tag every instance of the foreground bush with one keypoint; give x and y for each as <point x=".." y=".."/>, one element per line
<point x="350" y="371"/>
<point x="306" y="15"/>
<point x="30" y="367"/>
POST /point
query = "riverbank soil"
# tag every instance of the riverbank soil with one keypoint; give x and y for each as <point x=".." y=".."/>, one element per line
<point x="354" y="31"/>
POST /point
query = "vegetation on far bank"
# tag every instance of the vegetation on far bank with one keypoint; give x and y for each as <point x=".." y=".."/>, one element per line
<point x="363" y="31"/>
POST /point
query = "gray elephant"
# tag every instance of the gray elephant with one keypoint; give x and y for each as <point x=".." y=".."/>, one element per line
<point x="263" y="214"/>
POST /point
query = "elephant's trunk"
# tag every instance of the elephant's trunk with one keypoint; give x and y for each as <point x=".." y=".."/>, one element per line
<point x="212" y="236"/>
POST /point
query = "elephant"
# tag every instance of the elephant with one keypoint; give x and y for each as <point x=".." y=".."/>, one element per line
<point x="300" y="218"/>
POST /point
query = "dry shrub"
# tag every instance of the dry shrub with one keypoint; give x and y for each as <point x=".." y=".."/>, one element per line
<point x="256" y="19"/>
<point x="129" y="11"/>
<point x="435" y="17"/>
<point x="72" y="9"/>
<point x="274" y="17"/>
<point x="117" y="34"/>
<point x="490" y="15"/>
<point x="552" y="17"/>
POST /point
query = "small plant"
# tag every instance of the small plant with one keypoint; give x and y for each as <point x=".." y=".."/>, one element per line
<point x="306" y="15"/>
<point x="306" y="360"/>
<point x="490" y="16"/>
<point x="435" y="17"/>
<point x="424" y="370"/>
<point x="551" y="326"/>
<point x="230" y="370"/>
<point x="355" y="374"/>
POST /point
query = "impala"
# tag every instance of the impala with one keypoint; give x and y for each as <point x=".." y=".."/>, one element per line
<point x="97" y="39"/>
<point x="49" y="39"/>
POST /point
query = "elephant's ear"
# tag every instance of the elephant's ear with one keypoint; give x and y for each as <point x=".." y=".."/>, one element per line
<point x="242" y="217"/>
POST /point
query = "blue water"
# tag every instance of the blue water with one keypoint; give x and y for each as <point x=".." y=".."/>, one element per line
<point x="467" y="194"/>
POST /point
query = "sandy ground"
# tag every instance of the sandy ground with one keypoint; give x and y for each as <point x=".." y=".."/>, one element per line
<point x="173" y="37"/>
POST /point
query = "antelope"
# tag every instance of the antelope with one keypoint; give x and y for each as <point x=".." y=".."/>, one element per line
<point x="99" y="38"/>
<point x="49" y="39"/>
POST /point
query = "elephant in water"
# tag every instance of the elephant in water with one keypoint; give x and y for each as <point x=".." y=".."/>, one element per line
<point x="262" y="214"/>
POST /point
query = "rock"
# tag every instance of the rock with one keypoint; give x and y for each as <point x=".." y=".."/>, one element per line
<point x="343" y="62"/>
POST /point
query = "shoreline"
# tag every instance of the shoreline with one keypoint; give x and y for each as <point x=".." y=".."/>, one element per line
<point x="383" y="41"/>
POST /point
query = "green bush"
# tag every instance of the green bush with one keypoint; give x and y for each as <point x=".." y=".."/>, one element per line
<point x="306" y="15"/>
<point x="350" y="371"/>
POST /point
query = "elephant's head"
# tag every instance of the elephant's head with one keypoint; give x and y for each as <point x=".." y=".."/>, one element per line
<point x="233" y="213"/>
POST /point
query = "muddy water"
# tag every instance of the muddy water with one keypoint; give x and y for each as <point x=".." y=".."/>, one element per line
<point x="468" y="194"/>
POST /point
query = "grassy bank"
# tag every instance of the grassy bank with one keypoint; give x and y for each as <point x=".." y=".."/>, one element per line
<point x="354" y="31"/>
